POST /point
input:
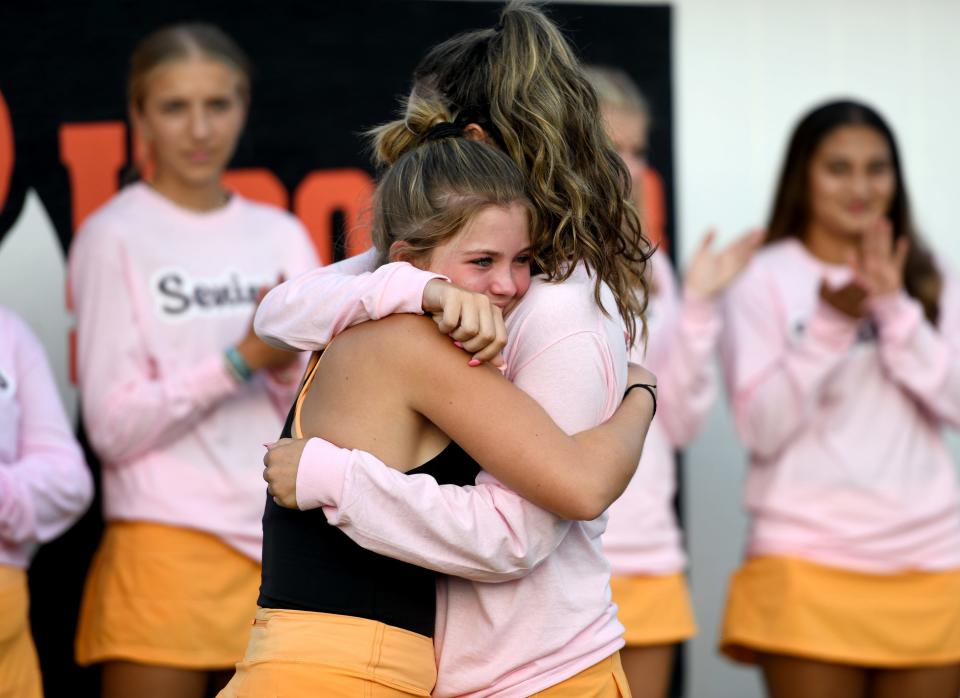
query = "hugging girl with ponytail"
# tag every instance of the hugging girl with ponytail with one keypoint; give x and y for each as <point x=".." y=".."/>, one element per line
<point x="336" y="619"/>
<point x="552" y="630"/>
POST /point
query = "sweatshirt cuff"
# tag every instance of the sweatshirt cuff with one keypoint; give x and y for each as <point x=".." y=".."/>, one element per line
<point x="897" y="315"/>
<point x="412" y="283"/>
<point x="321" y="474"/>
<point x="212" y="381"/>
<point x="831" y="328"/>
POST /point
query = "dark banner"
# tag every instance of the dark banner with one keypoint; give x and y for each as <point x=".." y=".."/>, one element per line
<point x="323" y="73"/>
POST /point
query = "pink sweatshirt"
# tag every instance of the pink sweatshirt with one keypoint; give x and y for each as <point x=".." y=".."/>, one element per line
<point x="843" y="418"/>
<point x="44" y="483"/>
<point x="160" y="292"/>
<point x="555" y="618"/>
<point x="642" y="535"/>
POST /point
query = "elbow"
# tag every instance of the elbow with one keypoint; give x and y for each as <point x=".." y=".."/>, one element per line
<point x="263" y="326"/>
<point x="586" y="505"/>
<point x="111" y="448"/>
<point x="503" y="573"/>
<point x="83" y="492"/>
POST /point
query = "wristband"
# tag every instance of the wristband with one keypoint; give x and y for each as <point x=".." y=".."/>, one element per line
<point x="652" y="389"/>
<point x="238" y="366"/>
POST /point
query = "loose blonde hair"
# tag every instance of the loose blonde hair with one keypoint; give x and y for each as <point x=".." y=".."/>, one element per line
<point x="522" y="83"/>
<point x="436" y="182"/>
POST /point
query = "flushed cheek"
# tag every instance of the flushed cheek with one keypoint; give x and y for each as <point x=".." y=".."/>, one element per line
<point x="523" y="285"/>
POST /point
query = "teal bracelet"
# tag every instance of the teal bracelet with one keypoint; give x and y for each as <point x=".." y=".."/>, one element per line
<point x="237" y="365"/>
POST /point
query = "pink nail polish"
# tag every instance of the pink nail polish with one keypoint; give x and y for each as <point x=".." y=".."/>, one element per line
<point x="474" y="362"/>
<point x="458" y="345"/>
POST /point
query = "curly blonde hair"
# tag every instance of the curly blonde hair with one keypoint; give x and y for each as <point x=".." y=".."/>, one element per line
<point x="521" y="82"/>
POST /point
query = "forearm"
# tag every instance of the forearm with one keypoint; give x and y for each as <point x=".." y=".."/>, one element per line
<point x="918" y="357"/>
<point x="611" y="451"/>
<point x="43" y="494"/>
<point x="685" y="375"/>
<point x="128" y="419"/>
<point x="484" y="533"/>
<point x="581" y="476"/>
<point x="308" y="311"/>
<point x="48" y="487"/>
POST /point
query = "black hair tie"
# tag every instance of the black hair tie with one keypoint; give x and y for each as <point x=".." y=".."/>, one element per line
<point x="444" y="130"/>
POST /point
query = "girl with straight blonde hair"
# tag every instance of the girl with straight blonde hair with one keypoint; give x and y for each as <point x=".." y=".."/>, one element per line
<point x="177" y="392"/>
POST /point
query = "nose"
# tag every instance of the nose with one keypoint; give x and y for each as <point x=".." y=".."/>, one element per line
<point x="860" y="184"/>
<point x="199" y="124"/>
<point x="504" y="283"/>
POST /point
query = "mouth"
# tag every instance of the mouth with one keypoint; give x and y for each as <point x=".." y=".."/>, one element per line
<point x="199" y="157"/>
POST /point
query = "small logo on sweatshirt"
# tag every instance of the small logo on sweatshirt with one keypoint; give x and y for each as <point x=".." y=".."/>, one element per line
<point x="866" y="331"/>
<point x="7" y="384"/>
<point x="179" y="296"/>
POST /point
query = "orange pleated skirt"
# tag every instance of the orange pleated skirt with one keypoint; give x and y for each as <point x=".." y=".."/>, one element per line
<point x="605" y="679"/>
<point x="19" y="667"/>
<point x="788" y="606"/>
<point x="302" y="653"/>
<point x="166" y="596"/>
<point x="654" y="610"/>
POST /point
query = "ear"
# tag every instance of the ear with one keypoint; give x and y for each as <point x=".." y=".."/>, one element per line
<point x="476" y="132"/>
<point x="400" y="251"/>
<point x="138" y="124"/>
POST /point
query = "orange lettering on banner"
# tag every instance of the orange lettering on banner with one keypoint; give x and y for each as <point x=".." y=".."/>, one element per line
<point x="323" y="193"/>
<point x="257" y="184"/>
<point x="6" y="151"/>
<point x="654" y="208"/>
<point x="93" y="154"/>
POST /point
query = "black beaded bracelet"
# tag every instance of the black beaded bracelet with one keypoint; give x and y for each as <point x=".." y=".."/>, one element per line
<point x="652" y="389"/>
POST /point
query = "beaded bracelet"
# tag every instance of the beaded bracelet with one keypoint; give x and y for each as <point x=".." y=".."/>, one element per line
<point x="652" y="389"/>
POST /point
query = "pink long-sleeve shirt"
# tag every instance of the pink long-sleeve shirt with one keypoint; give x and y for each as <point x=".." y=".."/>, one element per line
<point x="642" y="535"/>
<point x="844" y="418"/>
<point x="554" y="617"/>
<point x="44" y="482"/>
<point x="160" y="293"/>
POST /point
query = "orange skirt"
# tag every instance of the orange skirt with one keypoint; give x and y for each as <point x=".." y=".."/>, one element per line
<point x="605" y="679"/>
<point x="788" y="606"/>
<point x="166" y="596"/>
<point x="302" y="653"/>
<point x="19" y="668"/>
<point x="654" y="610"/>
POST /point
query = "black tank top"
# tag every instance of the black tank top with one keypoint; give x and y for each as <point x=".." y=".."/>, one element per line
<point x="309" y="565"/>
